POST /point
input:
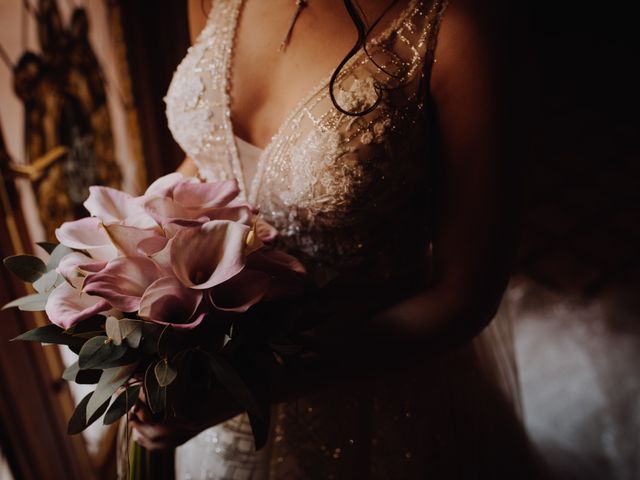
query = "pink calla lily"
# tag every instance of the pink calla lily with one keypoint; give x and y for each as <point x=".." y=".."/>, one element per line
<point x="159" y="253"/>
<point x="87" y="234"/>
<point x="265" y="232"/>
<point x="286" y="272"/>
<point x="75" y="264"/>
<point x="170" y="213"/>
<point x="205" y="195"/>
<point x="163" y="186"/>
<point x="114" y="206"/>
<point x="167" y="301"/>
<point x="68" y="305"/>
<point x="239" y="293"/>
<point x="152" y="245"/>
<point x="207" y="256"/>
<point x="123" y="282"/>
<point x="126" y="238"/>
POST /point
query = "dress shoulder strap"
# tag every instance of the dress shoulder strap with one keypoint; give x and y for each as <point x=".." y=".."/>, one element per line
<point x="433" y="20"/>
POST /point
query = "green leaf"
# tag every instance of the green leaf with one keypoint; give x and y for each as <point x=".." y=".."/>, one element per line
<point x="110" y="380"/>
<point x="47" y="281"/>
<point x="48" y="247"/>
<point x="100" y="352"/>
<point x="84" y="377"/>
<point x="78" y="421"/>
<point x="155" y="394"/>
<point x="124" y="328"/>
<point x="91" y="324"/>
<point x="121" y="404"/>
<point x="51" y="334"/>
<point x="165" y="341"/>
<point x="27" y="267"/>
<point x="88" y="335"/>
<point x="56" y="255"/>
<point x="131" y="331"/>
<point x="150" y="334"/>
<point x="70" y="372"/>
<point x="88" y="377"/>
<point x="29" y="303"/>
<point x="233" y="382"/>
<point x="165" y="373"/>
<point x="112" y="329"/>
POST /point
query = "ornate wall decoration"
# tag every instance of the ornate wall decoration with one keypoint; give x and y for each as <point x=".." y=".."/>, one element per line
<point x="63" y="91"/>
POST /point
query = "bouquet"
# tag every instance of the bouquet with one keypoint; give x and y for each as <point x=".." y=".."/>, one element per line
<point x="164" y="292"/>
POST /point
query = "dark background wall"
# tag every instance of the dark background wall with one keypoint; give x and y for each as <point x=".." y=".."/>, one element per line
<point x="157" y="37"/>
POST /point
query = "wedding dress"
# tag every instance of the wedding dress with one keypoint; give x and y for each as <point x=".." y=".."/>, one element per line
<point x="350" y="194"/>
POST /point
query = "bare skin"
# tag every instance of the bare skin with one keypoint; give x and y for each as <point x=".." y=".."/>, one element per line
<point x="474" y="233"/>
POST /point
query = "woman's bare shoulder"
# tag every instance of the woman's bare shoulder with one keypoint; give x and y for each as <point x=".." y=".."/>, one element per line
<point x="198" y="13"/>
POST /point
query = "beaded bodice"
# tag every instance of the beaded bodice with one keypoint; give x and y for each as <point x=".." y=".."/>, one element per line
<point x="340" y="189"/>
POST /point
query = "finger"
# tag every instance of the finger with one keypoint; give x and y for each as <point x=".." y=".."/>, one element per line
<point x="149" y="444"/>
<point x="153" y="433"/>
<point x="142" y="412"/>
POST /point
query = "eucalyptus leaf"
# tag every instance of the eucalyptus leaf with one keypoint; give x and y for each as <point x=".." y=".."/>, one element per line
<point x="70" y="372"/>
<point x="78" y="421"/>
<point x="46" y="282"/>
<point x="88" y="335"/>
<point x="27" y="267"/>
<point x="234" y="384"/>
<point x="150" y="334"/>
<point x="91" y="324"/>
<point x="29" y="303"/>
<point x="100" y="352"/>
<point x="155" y="394"/>
<point x="56" y="255"/>
<point x="88" y="377"/>
<point x="38" y="304"/>
<point x="112" y="328"/>
<point x="165" y="341"/>
<point x="165" y="373"/>
<point x="51" y="334"/>
<point x="84" y="377"/>
<point x="48" y="247"/>
<point x="121" y="404"/>
<point x="131" y="331"/>
<point x="110" y="380"/>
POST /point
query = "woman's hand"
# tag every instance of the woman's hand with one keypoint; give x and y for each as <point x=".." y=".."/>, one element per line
<point x="162" y="434"/>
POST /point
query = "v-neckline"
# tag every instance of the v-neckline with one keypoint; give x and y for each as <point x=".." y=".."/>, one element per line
<point x="250" y="192"/>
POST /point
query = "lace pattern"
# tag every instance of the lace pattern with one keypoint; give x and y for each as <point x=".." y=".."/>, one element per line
<point x="331" y="183"/>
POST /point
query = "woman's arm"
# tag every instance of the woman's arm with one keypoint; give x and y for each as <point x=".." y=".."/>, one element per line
<point x="197" y="15"/>
<point x="198" y="10"/>
<point x="188" y="168"/>
<point x="472" y="248"/>
<point x="475" y="232"/>
<point x="475" y="206"/>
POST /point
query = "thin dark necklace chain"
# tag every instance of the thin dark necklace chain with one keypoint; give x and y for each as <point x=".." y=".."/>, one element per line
<point x="300" y="5"/>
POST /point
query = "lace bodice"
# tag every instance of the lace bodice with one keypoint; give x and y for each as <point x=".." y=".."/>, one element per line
<point x="345" y="192"/>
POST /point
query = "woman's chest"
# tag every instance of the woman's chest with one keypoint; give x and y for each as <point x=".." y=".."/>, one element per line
<point x="281" y="51"/>
<point x="329" y="174"/>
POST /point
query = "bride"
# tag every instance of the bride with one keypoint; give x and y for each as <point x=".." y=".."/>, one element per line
<point x="384" y="172"/>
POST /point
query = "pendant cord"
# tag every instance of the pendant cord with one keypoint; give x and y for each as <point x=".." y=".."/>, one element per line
<point x="300" y="5"/>
<point x="5" y="58"/>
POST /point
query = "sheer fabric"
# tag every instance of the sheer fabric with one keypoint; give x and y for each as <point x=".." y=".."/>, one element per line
<point x="349" y="197"/>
